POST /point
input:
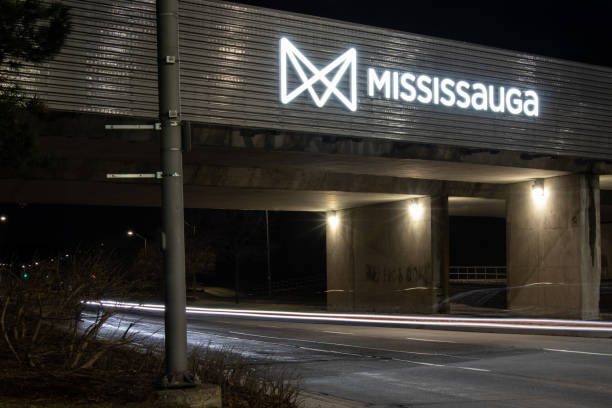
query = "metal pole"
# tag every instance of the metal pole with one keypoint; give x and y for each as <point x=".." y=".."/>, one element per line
<point x="173" y="237"/>
<point x="268" y="254"/>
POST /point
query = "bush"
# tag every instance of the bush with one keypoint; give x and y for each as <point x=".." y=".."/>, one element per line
<point x="49" y="355"/>
<point x="242" y="385"/>
<point x="40" y="310"/>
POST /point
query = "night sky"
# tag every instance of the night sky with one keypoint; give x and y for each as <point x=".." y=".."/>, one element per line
<point x="574" y="30"/>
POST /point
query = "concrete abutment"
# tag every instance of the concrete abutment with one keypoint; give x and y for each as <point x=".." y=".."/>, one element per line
<point x="390" y="257"/>
<point x="554" y="247"/>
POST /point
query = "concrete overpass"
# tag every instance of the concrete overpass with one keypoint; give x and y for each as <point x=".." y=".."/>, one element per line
<point x="369" y="185"/>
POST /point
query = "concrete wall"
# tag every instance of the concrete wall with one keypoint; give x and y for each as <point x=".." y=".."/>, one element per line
<point x="606" y="251"/>
<point x="553" y="255"/>
<point x="380" y="258"/>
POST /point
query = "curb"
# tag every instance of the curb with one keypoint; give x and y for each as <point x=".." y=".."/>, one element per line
<point x="314" y="400"/>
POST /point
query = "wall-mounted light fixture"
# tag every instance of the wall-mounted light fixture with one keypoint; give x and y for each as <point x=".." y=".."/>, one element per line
<point x="538" y="192"/>
<point x="333" y="220"/>
<point x="415" y="208"/>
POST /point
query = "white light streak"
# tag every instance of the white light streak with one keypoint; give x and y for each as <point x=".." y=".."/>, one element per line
<point x="443" y="321"/>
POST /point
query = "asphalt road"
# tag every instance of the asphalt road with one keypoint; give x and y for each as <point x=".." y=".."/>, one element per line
<point x="382" y="366"/>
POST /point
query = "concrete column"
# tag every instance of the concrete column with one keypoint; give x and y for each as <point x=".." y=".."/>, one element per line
<point x="388" y="257"/>
<point x="440" y="252"/>
<point x="606" y="251"/>
<point x="340" y="261"/>
<point x="553" y="248"/>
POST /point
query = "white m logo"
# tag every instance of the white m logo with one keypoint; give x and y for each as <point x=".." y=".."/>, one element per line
<point x="349" y="58"/>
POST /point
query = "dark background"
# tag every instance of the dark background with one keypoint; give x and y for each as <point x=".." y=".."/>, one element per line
<point x="573" y="30"/>
<point x="578" y="31"/>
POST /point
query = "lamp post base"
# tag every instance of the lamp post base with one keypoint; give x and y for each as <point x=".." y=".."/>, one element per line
<point x="177" y="381"/>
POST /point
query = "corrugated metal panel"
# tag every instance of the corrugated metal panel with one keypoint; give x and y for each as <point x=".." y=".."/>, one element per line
<point x="230" y="76"/>
<point x="108" y="64"/>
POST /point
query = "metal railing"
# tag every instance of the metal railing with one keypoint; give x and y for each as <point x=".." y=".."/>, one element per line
<point x="477" y="273"/>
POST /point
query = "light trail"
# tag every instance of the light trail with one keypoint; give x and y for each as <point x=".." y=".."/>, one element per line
<point x="442" y="321"/>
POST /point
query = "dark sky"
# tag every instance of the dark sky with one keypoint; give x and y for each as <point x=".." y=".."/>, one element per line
<point x="573" y="30"/>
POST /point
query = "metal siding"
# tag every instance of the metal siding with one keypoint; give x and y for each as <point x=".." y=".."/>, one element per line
<point x="107" y="65"/>
<point x="230" y="76"/>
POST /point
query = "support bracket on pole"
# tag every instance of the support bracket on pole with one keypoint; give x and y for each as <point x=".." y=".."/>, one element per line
<point x="156" y="175"/>
<point x="156" y="126"/>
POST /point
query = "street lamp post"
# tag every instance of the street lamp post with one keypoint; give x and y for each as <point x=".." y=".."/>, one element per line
<point x="173" y="234"/>
<point x="132" y="233"/>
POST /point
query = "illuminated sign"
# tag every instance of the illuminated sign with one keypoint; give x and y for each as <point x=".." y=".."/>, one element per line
<point x="400" y="86"/>
<point x="298" y="60"/>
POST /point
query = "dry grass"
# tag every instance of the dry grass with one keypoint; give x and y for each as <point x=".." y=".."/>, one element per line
<point x="48" y="359"/>
<point x="243" y="384"/>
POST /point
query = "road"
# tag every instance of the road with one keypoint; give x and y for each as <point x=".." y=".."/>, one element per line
<point x="389" y="366"/>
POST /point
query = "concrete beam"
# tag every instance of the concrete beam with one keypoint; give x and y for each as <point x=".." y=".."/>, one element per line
<point x="82" y="171"/>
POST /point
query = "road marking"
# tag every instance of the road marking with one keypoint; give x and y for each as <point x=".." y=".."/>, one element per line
<point x="579" y="352"/>
<point x="420" y="363"/>
<point x="343" y="345"/>
<point x="330" y="351"/>
<point x="433" y="341"/>
<point x="268" y="326"/>
<point x="472" y="368"/>
<point x="441" y="365"/>
<point x="335" y="332"/>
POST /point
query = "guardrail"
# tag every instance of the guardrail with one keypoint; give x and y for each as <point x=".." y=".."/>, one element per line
<point x="477" y="273"/>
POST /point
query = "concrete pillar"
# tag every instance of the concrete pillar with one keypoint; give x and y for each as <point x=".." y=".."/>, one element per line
<point x="606" y="251"/>
<point x="389" y="258"/>
<point x="440" y="252"/>
<point x="553" y="248"/>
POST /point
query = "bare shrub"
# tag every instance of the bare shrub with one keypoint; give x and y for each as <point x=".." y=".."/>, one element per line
<point x="242" y="384"/>
<point x="40" y="310"/>
<point x="49" y="354"/>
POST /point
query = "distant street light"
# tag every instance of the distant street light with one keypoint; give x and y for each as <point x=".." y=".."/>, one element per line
<point x="3" y="220"/>
<point x="132" y="233"/>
